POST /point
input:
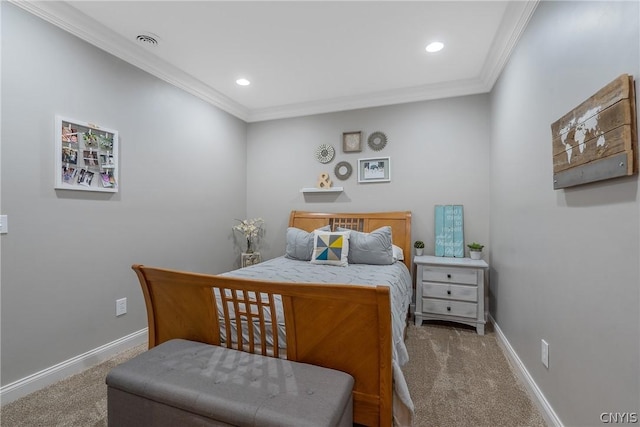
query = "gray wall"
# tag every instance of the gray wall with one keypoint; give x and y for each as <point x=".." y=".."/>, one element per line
<point x="565" y="263"/>
<point x="439" y="154"/>
<point x="68" y="254"/>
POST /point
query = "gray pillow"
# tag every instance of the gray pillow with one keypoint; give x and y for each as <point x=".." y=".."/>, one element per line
<point x="300" y="243"/>
<point x="370" y="248"/>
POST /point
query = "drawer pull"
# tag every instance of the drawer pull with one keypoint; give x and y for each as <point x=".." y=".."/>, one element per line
<point x="449" y="292"/>
<point x="448" y="308"/>
<point x="448" y="276"/>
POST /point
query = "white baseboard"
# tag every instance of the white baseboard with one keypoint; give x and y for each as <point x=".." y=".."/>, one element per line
<point x="75" y="365"/>
<point x="544" y="406"/>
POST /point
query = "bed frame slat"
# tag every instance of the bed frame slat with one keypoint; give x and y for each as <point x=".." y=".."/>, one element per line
<point x="356" y="224"/>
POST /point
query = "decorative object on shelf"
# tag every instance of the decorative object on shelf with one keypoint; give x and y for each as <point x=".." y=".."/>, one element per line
<point x="377" y="141"/>
<point x="597" y="139"/>
<point x="343" y="170"/>
<point x="352" y="142"/>
<point x="419" y="247"/>
<point x="475" y="250"/>
<point x="251" y="229"/>
<point x="324" y="183"/>
<point x="325" y="153"/>
<point x="250" y="258"/>
<point x="449" y="231"/>
<point x="99" y="149"/>
<point x="374" y="169"/>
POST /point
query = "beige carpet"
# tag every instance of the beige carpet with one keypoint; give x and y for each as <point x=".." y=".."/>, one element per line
<point x="456" y="378"/>
<point x="78" y="401"/>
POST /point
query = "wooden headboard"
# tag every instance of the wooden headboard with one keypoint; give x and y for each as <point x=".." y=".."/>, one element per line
<point x="400" y="223"/>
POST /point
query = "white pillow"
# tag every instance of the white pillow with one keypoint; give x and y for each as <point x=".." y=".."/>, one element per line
<point x="330" y="248"/>
<point x="398" y="253"/>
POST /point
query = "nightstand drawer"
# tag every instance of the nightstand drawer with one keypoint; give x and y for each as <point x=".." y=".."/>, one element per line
<point x="447" y="291"/>
<point x="451" y="308"/>
<point x="450" y="275"/>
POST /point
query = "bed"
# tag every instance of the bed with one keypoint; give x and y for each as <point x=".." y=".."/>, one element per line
<point x="351" y="319"/>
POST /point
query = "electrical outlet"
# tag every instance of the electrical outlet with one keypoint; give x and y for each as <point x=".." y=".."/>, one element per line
<point x="545" y="353"/>
<point x="121" y="306"/>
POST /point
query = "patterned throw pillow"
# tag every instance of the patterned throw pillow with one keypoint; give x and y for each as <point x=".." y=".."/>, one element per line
<point x="330" y="248"/>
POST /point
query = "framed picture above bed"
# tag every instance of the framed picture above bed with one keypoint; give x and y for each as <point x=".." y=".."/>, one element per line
<point x="376" y="169"/>
<point x="352" y="142"/>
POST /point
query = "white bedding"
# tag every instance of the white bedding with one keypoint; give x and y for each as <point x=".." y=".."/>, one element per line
<point x="396" y="276"/>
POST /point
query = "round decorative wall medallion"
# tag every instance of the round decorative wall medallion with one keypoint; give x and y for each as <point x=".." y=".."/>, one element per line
<point x="343" y="170"/>
<point x="325" y="153"/>
<point x="377" y="141"/>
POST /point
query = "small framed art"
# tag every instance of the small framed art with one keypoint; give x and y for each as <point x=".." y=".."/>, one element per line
<point x="377" y="169"/>
<point x="352" y="142"/>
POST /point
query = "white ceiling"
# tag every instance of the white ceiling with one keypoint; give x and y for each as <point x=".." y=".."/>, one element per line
<point x="304" y="57"/>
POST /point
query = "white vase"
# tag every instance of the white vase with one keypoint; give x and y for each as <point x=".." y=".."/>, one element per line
<point x="475" y="254"/>
<point x="419" y="251"/>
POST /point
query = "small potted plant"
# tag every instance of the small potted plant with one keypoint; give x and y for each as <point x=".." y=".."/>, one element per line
<point x="475" y="250"/>
<point x="419" y="246"/>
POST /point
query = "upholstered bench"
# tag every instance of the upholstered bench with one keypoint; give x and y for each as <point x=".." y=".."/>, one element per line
<point x="186" y="383"/>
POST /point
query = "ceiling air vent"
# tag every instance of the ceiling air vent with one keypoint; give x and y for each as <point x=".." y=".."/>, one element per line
<point x="147" y="39"/>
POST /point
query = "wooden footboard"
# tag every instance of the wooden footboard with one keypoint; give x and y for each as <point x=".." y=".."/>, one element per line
<point x="344" y="327"/>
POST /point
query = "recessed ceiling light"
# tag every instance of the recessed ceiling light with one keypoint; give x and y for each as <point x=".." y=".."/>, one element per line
<point x="243" y="82"/>
<point x="434" y="47"/>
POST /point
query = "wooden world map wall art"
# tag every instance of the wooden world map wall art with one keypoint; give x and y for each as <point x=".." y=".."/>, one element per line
<point x="598" y="139"/>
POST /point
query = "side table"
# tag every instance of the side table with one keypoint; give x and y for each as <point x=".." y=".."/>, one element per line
<point x="451" y="289"/>
<point x="250" y="258"/>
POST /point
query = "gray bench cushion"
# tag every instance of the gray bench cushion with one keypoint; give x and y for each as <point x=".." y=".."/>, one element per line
<point x="229" y="386"/>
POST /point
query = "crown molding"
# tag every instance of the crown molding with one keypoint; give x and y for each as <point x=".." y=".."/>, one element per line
<point x="378" y="99"/>
<point x="73" y="21"/>
<point x="68" y="18"/>
<point x="515" y="20"/>
<point x="513" y="24"/>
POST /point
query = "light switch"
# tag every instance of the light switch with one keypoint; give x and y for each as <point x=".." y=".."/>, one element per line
<point x="4" y="225"/>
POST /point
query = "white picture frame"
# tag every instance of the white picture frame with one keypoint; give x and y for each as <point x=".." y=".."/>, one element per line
<point x="86" y="156"/>
<point x="374" y="169"/>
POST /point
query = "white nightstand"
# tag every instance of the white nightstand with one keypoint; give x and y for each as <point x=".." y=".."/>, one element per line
<point x="451" y="289"/>
<point x="252" y="258"/>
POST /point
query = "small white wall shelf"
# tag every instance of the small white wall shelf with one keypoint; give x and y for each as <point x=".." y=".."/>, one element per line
<point x="322" y="190"/>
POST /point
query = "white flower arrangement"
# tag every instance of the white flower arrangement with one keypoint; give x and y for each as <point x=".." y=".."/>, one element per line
<point x="249" y="227"/>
